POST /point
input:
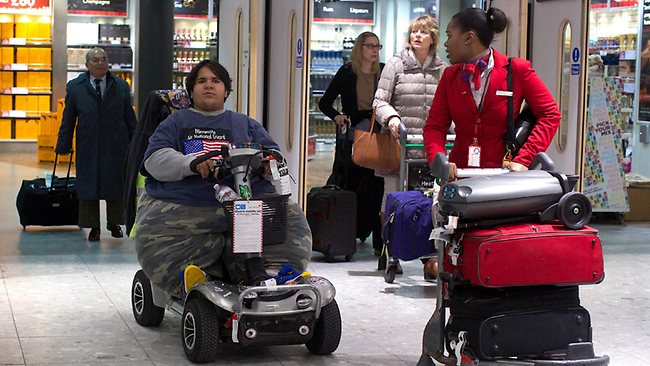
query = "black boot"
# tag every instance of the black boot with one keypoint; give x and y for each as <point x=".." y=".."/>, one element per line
<point x="255" y="271"/>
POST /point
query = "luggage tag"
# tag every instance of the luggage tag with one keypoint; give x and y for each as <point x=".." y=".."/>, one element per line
<point x="247" y="224"/>
<point x="454" y="252"/>
<point x="275" y="173"/>
<point x="283" y="184"/>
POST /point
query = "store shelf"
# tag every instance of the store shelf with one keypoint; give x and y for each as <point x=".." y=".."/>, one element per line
<point x="111" y="68"/>
<point x="7" y="68"/>
<point x="91" y="45"/>
<point x="25" y="117"/>
<point x="30" y="45"/>
<point x="14" y="92"/>
<point x="26" y="72"/>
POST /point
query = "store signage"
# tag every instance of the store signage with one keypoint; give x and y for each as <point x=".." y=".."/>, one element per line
<point x="299" y="59"/>
<point x="24" y="6"/>
<point x="422" y="7"/>
<point x="105" y="8"/>
<point x="347" y="12"/>
<point x="643" y="101"/>
<point x="191" y="9"/>
<point x="575" y="69"/>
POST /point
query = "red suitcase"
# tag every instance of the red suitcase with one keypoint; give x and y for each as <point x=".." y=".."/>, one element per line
<point x="527" y="254"/>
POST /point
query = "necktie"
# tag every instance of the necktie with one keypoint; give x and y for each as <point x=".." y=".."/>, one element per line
<point x="474" y="71"/>
<point x="98" y="89"/>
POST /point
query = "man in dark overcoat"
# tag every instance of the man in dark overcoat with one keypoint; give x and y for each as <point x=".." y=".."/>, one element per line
<point x="98" y="105"/>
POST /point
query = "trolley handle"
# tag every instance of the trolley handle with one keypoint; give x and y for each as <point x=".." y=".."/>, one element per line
<point x="479" y="172"/>
<point x="440" y="167"/>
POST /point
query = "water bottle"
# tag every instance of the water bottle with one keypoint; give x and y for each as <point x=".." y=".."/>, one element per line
<point x="224" y="193"/>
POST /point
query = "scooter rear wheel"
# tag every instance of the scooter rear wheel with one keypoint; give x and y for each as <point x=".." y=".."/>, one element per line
<point x="200" y="330"/>
<point x="145" y="312"/>
<point x="327" y="332"/>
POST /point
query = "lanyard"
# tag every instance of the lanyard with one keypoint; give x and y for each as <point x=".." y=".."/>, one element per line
<point x="480" y="107"/>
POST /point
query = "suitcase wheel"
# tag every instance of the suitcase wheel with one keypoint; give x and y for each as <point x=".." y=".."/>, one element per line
<point x="389" y="274"/>
<point x="348" y="258"/>
<point x="574" y="210"/>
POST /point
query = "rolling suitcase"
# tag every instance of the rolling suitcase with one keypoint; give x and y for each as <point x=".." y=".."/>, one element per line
<point x="331" y="214"/>
<point x="527" y="254"/>
<point x="56" y="205"/>
<point x="496" y="321"/>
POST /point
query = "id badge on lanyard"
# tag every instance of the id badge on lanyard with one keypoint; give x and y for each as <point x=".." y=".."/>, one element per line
<point x="474" y="155"/>
<point x="474" y="150"/>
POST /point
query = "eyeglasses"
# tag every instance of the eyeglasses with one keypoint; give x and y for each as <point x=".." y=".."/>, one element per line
<point x="97" y="60"/>
<point x="373" y="46"/>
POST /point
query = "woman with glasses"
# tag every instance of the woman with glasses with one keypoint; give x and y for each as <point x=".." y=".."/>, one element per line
<point x="356" y="82"/>
<point x="405" y="91"/>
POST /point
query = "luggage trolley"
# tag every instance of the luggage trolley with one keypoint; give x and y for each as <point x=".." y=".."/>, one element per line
<point x="501" y="314"/>
<point x="414" y="175"/>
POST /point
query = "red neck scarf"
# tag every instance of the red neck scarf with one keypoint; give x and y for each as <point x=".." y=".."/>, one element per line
<point x="473" y="70"/>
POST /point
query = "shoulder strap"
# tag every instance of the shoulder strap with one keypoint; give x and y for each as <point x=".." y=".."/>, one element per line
<point x="510" y="136"/>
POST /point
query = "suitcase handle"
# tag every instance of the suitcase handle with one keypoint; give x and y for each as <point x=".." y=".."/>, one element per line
<point x="67" y="176"/>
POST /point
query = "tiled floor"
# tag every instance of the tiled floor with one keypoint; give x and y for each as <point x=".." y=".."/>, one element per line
<point x="64" y="301"/>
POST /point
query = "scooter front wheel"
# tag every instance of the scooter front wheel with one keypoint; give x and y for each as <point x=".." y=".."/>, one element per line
<point x="200" y="330"/>
<point x="327" y="332"/>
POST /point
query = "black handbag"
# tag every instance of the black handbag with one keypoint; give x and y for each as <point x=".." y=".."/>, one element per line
<point x="55" y="205"/>
<point x="518" y="130"/>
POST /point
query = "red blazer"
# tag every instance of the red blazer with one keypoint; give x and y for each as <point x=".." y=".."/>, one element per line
<point x="453" y="101"/>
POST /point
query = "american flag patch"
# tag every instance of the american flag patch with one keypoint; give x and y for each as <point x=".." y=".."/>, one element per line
<point x="199" y="147"/>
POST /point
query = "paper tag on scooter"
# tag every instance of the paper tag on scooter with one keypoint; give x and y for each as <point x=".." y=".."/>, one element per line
<point x="247" y="224"/>
<point x="283" y="185"/>
<point x="275" y="173"/>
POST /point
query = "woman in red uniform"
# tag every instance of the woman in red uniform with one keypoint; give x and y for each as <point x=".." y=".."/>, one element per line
<point x="473" y="93"/>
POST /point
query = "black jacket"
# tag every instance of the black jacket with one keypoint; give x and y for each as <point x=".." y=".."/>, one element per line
<point x="344" y="84"/>
<point x="104" y="130"/>
<point x="159" y="105"/>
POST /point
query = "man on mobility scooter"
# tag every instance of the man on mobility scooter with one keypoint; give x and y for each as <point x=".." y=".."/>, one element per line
<point x="190" y="257"/>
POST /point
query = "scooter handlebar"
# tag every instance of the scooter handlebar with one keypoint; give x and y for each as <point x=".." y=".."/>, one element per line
<point x="203" y="158"/>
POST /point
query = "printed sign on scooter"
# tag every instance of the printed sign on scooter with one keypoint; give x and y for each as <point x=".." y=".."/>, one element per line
<point x="247" y="227"/>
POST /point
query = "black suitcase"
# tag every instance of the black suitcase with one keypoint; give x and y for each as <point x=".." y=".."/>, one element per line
<point x="368" y="187"/>
<point x="49" y="206"/>
<point x="537" y="321"/>
<point x="331" y="214"/>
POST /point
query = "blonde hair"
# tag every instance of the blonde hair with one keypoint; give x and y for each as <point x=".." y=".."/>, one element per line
<point x="357" y="53"/>
<point x="427" y="23"/>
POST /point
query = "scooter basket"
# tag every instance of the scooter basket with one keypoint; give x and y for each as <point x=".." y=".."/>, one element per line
<point x="274" y="216"/>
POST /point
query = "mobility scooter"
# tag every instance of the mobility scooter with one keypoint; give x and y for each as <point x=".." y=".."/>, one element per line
<point x="216" y="312"/>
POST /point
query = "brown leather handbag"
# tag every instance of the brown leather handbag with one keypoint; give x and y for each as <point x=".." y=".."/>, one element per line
<point x="378" y="151"/>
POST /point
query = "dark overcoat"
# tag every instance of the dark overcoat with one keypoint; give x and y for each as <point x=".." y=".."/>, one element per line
<point x="104" y="130"/>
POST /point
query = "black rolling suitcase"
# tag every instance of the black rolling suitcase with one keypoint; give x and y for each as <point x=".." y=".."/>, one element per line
<point x="539" y="321"/>
<point x="56" y="205"/>
<point x="331" y="214"/>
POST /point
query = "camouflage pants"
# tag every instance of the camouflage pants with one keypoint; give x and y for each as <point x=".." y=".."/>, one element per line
<point x="170" y="236"/>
